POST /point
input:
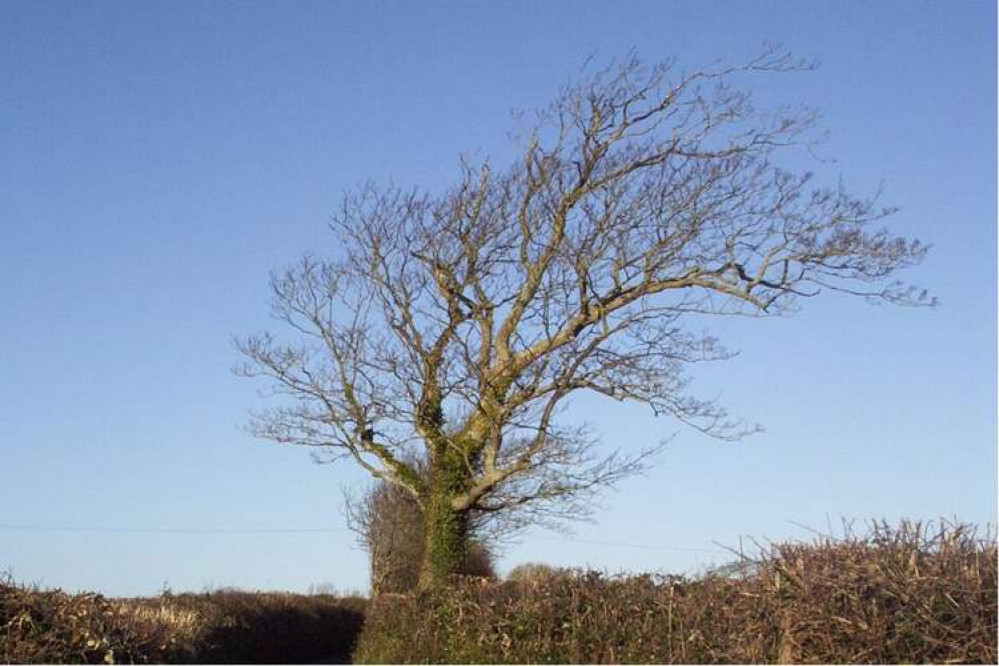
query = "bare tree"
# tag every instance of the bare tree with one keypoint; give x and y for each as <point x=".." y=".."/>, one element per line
<point x="458" y="324"/>
<point x="387" y="522"/>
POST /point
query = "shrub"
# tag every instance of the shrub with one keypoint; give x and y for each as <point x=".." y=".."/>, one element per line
<point x="389" y="523"/>
<point x="904" y="594"/>
<point x="479" y="562"/>
<point x="530" y="572"/>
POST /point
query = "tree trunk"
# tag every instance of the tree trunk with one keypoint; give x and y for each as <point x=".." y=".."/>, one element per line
<point x="446" y="529"/>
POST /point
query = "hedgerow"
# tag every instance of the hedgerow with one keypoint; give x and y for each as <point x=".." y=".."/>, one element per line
<point x="897" y="594"/>
<point x="51" y="626"/>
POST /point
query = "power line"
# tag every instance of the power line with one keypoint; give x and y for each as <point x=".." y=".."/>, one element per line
<point x="635" y="545"/>
<point x="172" y="530"/>
<point x="306" y="530"/>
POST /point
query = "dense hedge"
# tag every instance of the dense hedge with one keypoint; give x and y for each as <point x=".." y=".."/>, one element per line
<point x="53" y="627"/>
<point x="274" y="628"/>
<point x="895" y="595"/>
<point x="219" y="627"/>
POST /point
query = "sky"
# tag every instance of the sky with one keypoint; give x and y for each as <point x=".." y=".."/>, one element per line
<point x="158" y="159"/>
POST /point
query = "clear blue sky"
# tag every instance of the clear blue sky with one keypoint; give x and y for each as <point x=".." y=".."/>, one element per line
<point x="157" y="159"/>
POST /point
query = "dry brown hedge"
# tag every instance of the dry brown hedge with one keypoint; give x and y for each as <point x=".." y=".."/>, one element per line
<point x="897" y="594"/>
<point x="275" y="628"/>
<point x="54" y="627"/>
<point x="219" y="627"/>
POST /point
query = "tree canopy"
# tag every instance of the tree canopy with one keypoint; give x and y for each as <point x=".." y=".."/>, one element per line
<point x="453" y="326"/>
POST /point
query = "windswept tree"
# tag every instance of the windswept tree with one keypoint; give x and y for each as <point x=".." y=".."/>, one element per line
<point x="453" y="326"/>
